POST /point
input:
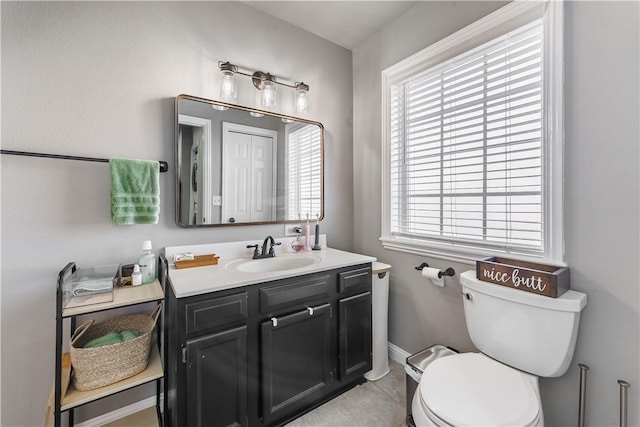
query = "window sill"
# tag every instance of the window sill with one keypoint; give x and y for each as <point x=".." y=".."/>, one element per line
<point x="460" y="254"/>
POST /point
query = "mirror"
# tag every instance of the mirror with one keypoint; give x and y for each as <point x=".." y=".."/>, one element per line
<point x="237" y="165"/>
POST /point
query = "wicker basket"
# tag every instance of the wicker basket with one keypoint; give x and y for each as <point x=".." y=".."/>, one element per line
<point x="100" y="366"/>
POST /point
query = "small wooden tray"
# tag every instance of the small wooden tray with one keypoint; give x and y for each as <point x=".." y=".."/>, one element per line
<point x="536" y="278"/>
<point x="198" y="261"/>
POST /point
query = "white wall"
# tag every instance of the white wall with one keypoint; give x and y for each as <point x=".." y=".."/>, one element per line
<point x="99" y="79"/>
<point x="601" y="198"/>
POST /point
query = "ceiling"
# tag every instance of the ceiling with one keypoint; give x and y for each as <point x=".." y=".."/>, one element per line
<point x="345" y="23"/>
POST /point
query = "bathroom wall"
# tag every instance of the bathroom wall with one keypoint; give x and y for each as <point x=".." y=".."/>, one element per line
<point x="99" y="79"/>
<point x="601" y="198"/>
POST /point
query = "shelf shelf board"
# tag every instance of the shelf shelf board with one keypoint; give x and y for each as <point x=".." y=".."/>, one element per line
<point x="122" y="296"/>
<point x="75" y="398"/>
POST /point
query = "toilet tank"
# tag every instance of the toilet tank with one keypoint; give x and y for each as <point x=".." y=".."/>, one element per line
<point x="530" y="332"/>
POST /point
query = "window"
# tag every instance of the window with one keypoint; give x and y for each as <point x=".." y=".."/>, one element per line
<point x="304" y="171"/>
<point x="469" y="143"/>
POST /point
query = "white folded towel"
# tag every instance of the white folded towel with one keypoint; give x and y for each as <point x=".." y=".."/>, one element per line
<point x="92" y="287"/>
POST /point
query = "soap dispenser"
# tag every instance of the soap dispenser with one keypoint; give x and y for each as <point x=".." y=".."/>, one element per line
<point x="147" y="263"/>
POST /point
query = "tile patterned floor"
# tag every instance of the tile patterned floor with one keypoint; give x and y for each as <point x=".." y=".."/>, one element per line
<point x="378" y="403"/>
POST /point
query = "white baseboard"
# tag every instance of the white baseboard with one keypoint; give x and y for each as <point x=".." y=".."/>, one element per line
<point x="397" y="354"/>
<point x="119" y="413"/>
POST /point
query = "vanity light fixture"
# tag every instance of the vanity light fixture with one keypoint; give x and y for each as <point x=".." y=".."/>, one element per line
<point x="264" y="82"/>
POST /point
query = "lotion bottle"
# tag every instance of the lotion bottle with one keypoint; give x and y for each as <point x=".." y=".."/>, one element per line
<point x="147" y="263"/>
<point x="136" y="276"/>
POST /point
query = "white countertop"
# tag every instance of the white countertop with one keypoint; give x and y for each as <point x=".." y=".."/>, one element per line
<point x="199" y="280"/>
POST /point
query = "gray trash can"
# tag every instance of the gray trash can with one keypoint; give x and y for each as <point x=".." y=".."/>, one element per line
<point x="415" y="366"/>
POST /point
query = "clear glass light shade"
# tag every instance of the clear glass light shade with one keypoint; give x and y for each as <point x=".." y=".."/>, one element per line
<point x="228" y="87"/>
<point x="268" y="99"/>
<point x="302" y="101"/>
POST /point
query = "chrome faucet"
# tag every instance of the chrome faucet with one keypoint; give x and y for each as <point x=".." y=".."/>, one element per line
<point x="267" y="241"/>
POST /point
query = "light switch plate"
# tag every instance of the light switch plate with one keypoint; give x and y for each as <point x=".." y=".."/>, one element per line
<point x="216" y="200"/>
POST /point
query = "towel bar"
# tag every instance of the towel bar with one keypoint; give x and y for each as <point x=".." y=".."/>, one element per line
<point x="164" y="166"/>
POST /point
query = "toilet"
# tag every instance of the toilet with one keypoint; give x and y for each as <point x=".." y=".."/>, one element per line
<point x="520" y="336"/>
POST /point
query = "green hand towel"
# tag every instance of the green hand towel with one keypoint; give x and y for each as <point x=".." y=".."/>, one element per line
<point x="135" y="191"/>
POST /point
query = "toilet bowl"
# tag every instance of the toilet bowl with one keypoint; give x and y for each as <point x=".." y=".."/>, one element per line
<point x="520" y="336"/>
<point x="471" y="389"/>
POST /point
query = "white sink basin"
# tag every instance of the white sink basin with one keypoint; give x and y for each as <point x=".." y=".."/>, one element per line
<point x="277" y="263"/>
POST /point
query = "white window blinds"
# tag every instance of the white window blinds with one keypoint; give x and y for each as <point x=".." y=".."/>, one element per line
<point x="466" y="140"/>
<point x="304" y="164"/>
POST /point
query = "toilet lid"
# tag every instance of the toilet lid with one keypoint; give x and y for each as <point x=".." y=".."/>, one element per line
<point x="471" y="389"/>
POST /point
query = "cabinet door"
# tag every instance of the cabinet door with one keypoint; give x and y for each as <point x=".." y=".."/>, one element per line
<point x="354" y="324"/>
<point x="296" y="361"/>
<point x="217" y="379"/>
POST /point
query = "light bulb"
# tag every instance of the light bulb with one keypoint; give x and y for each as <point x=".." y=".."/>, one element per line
<point x="302" y="98"/>
<point x="268" y="99"/>
<point x="228" y="91"/>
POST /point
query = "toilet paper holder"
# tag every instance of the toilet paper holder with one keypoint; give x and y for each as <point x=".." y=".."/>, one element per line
<point x="448" y="272"/>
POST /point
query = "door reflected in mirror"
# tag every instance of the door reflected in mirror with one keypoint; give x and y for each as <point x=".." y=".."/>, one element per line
<point x="238" y="165"/>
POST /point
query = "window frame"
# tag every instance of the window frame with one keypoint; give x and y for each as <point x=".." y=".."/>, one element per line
<point x="505" y="19"/>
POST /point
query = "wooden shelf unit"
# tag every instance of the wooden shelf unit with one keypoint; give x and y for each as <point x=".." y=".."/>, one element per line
<point x="65" y="399"/>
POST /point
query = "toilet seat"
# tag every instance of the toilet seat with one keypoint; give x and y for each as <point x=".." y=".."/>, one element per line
<point x="471" y="389"/>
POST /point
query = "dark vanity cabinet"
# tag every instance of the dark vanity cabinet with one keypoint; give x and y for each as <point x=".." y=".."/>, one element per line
<point x="296" y="361"/>
<point x="263" y="354"/>
<point x="354" y="322"/>
<point x="216" y="396"/>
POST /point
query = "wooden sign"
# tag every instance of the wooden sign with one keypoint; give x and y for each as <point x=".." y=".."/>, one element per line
<point x="540" y="279"/>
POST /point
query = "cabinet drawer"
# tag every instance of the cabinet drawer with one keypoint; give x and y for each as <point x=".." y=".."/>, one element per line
<point x="216" y="312"/>
<point x="354" y="280"/>
<point x="294" y="293"/>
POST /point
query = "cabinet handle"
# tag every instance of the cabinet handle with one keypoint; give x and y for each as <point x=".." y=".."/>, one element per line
<point x="310" y="310"/>
<point x="274" y="321"/>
